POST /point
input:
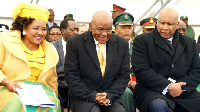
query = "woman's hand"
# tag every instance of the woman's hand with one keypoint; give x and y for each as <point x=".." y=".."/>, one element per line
<point x="11" y="85"/>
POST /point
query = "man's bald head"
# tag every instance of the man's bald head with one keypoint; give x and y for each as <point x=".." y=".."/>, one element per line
<point x="182" y="28"/>
<point x="182" y="24"/>
<point x="168" y="12"/>
<point x="101" y="15"/>
<point x="167" y="22"/>
<point x="101" y="26"/>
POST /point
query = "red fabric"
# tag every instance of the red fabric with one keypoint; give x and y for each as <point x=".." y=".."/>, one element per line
<point x="115" y="7"/>
<point x="147" y="23"/>
<point x="133" y="78"/>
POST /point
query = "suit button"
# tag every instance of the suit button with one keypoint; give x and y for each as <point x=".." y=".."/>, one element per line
<point x="172" y="65"/>
<point x="99" y="73"/>
<point x="14" y="76"/>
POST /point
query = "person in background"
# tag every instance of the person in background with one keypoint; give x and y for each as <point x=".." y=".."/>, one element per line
<point x="97" y="67"/>
<point x="68" y="16"/>
<point x="123" y="27"/>
<point x="26" y="57"/>
<point x="182" y="28"/>
<point x="68" y="27"/>
<point x="54" y="33"/>
<point x="51" y="19"/>
<point x="3" y="28"/>
<point x="167" y="68"/>
<point x="190" y="30"/>
<point x="82" y="28"/>
<point x="148" y="24"/>
<point x="115" y="12"/>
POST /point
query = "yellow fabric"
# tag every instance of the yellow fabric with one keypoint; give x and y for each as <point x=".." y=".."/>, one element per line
<point x="36" y="58"/>
<point x="102" y="61"/>
<point x="35" y="73"/>
<point x="31" y="10"/>
<point x="15" y="66"/>
<point x="10" y="102"/>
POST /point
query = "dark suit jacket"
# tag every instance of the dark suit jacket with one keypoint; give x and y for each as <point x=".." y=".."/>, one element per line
<point x="54" y="24"/>
<point x="62" y="85"/>
<point x="130" y="48"/>
<point x="155" y="59"/>
<point x="83" y="73"/>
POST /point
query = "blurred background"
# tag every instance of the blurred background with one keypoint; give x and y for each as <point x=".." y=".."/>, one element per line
<point x="83" y="10"/>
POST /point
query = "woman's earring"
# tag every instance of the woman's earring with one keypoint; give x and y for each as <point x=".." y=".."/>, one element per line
<point x="24" y="33"/>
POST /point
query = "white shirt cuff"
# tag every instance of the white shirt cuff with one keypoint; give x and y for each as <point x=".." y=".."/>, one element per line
<point x="165" y="90"/>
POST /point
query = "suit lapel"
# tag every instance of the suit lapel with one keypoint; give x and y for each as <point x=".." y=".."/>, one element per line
<point x="91" y="48"/>
<point x="131" y="48"/>
<point x="163" y="45"/>
<point x="60" y="52"/>
<point x="161" y="42"/>
<point x="179" y="49"/>
<point x="110" y="52"/>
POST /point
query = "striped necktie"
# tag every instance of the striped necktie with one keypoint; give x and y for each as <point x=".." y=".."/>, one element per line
<point x="169" y="41"/>
<point x="102" y="61"/>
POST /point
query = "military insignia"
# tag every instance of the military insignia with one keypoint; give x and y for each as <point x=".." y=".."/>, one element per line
<point x="151" y="21"/>
<point x="126" y="16"/>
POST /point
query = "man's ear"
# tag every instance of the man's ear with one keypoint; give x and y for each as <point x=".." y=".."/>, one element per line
<point x="90" y="26"/>
<point x="62" y="31"/>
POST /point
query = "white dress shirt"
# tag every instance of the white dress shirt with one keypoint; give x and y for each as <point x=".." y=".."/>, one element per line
<point x="64" y="43"/>
<point x="97" y="48"/>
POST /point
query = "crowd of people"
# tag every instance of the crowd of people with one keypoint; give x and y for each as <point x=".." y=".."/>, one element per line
<point x="105" y="67"/>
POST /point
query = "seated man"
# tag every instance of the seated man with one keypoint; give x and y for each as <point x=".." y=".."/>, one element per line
<point x="123" y="27"/>
<point x="82" y="28"/>
<point x="190" y="30"/>
<point x="182" y="28"/>
<point x="68" y="27"/>
<point x="97" y="67"/>
<point x="167" y="68"/>
<point x="148" y="24"/>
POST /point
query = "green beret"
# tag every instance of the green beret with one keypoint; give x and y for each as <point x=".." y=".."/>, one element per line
<point x="183" y="17"/>
<point x="68" y="15"/>
<point x="123" y="19"/>
<point x="148" y="22"/>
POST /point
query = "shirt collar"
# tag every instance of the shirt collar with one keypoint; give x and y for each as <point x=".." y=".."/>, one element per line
<point x="96" y="42"/>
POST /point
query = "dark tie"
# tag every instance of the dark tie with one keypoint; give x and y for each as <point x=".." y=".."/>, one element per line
<point x="170" y="41"/>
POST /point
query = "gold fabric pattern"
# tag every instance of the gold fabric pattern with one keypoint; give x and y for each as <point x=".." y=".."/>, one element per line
<point x="102" y="61"/>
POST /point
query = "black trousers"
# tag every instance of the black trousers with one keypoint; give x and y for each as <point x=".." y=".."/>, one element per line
<point x="116" y="107"/>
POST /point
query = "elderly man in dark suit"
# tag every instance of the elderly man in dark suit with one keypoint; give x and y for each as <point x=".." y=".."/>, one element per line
<point x="97" y="76"/>
<point x="167" y="68"/>
<point x="68" y="27"/>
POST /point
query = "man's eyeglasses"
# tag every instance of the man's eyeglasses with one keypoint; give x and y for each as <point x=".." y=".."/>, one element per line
<point x="182" y="29"/>
<point x="55" y="34"/>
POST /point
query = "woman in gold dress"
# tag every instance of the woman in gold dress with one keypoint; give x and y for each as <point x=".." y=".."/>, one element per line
<point x="26" y="57"/>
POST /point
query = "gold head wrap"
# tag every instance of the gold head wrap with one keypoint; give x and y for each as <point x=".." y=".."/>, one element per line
<point x="31" y="10"/>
